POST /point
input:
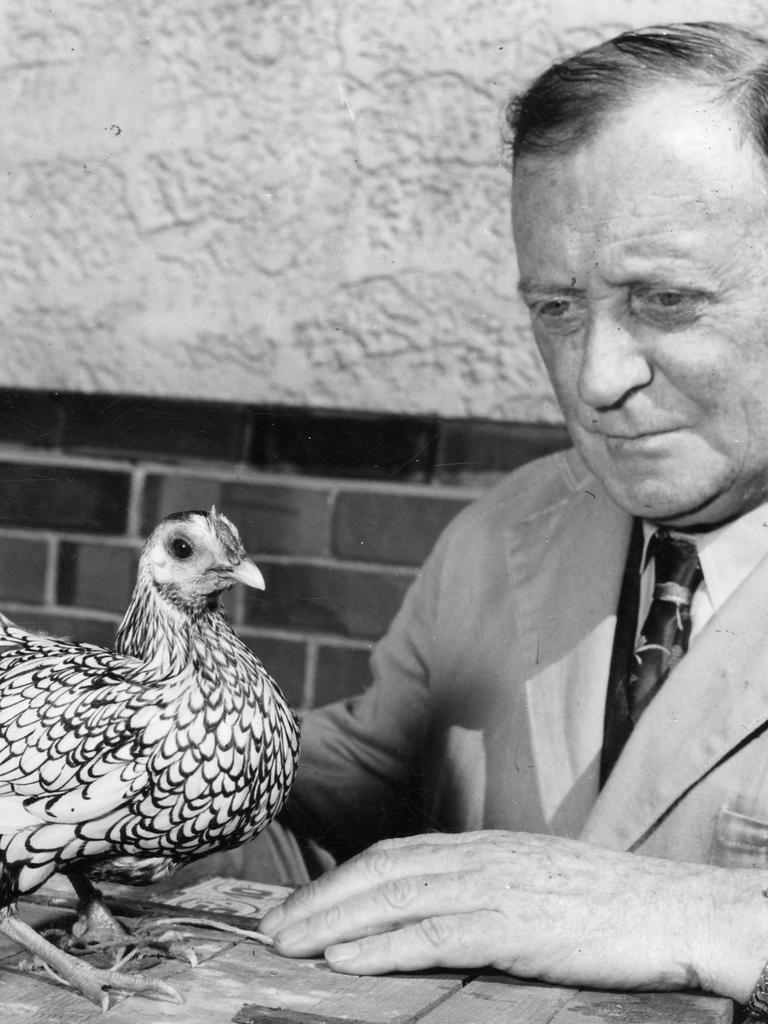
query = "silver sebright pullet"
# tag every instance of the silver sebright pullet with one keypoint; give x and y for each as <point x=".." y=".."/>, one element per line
<point x="126" y="765"/>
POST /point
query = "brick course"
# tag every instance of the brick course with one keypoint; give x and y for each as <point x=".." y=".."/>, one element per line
<point x="23" y="563"/>
<point x="323" y="598"/>
<point x="86" y="628"/>
<point x="397" y="528"/>
<point x="69" y="497"/>
<point x="281" y="519"/>
<point x="339" y="512"/>
<point x="98" y="576"/>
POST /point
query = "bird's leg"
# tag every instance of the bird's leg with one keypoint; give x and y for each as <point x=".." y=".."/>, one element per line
<point x="96" y="925"/>
<point x="92" y="982"/>
<point x="97" y="929"/>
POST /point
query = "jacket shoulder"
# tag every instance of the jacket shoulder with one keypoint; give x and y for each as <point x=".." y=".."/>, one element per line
<point x="528" y="492"/>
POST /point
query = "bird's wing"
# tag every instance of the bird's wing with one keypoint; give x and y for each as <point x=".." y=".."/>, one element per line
<point x="72" y="723"/>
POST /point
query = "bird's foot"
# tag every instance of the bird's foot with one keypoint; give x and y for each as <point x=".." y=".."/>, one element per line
<point x="141" y="947"/>
<point x="104" y="941"/>
<point x="170" y="936"/>
<point x="95" y="983"/>
<point x="99" y="984"/>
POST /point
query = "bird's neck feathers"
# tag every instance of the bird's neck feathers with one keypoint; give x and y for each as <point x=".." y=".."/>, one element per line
<point x="160" y="628"/>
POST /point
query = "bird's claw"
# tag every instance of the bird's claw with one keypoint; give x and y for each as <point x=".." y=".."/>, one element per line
<point x="99" y="984"/>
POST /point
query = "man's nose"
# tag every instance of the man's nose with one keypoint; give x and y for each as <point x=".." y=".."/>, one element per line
<point x="613" y="364"/>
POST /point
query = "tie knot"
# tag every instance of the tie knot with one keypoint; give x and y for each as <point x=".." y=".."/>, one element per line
<point x="677" y="566"/>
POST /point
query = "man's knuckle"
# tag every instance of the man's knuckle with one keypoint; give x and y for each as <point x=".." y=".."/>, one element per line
<point x="378" y="863"/>
<point x="384" y="844"/>
<point x="438" y="931"/>
<point x="332" y="916"/>
<point x="398" y="892"/>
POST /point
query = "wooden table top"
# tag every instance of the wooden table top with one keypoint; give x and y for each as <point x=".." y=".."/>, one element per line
<point x="241" y="982"/>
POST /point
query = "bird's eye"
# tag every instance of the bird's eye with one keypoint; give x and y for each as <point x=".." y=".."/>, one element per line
<point x="181" y="548"/>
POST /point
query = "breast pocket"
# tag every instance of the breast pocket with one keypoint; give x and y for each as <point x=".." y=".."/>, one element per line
<point x="740" y="840"/>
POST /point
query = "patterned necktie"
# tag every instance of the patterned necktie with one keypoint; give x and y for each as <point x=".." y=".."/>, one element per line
<point x="662" y="642"/>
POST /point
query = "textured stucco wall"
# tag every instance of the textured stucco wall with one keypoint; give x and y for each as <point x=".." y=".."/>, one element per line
<point x="280" y="201"/>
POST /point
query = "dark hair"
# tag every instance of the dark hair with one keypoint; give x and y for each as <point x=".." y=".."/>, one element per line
<point x="567" y="105"/>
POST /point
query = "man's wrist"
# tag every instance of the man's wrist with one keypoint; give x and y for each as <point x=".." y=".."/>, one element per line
<point x="731" y="942"/>
<point x="757" y="1004"/>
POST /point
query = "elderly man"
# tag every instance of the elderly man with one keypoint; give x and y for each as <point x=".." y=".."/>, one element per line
<point x="594" y="804"/>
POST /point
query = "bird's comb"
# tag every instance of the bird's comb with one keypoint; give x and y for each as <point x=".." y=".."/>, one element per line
<point x="226" y="531"/>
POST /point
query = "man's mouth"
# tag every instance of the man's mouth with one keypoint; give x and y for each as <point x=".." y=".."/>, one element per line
<point x="632" y="436"/>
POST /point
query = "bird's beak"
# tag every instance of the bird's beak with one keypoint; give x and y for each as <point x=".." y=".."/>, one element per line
<point x="249" y="574"/>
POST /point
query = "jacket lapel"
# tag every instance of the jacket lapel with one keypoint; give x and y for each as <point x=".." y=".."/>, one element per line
<point x="710" y="703"/>
<point x="566" y="564"/>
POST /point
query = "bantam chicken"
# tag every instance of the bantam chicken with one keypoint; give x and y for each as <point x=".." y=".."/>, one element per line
<point x="127" y="765"/>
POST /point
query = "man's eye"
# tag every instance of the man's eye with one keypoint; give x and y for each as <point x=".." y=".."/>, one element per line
<point x="555" y="308"/>
<point x="667" y="300"/>
<point x="667" y="307"/>
<point x="670" y="298"/>
<point x="562" y="316"/>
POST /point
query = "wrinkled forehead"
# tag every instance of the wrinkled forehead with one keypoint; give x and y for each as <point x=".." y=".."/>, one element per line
<point x="667" y="163"/>
<point x="663" y="127"/>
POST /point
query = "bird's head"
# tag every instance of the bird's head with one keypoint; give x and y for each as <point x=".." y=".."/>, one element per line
<point x="191" y="557"/>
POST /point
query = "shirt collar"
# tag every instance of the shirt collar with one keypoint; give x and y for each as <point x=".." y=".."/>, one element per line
<point x="728" y="554"/>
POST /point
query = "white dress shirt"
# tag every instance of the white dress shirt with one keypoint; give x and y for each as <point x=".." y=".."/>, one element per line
<point x="727" y="556"/>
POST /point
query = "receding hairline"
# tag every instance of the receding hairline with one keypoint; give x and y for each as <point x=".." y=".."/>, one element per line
<point x="675" y="94"/>
<point x="572" y="101"/>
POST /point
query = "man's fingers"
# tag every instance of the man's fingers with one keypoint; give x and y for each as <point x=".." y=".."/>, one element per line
<point x="455" y="940"/>
<point x="385" y="862"/>
<point x="394" y="903"/>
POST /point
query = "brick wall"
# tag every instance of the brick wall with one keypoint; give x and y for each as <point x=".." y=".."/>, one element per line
<point x="338" y="512"/>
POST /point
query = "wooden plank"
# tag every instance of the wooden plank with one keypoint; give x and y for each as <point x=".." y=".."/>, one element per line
<point x="251" y="975"/>
<point x="32" y="995"/>
<point x="253" y="1013"/>
<point x="500" y="1000"/>
<point x="26" y="995"/>
<point x="589" y="1007"/>
<point x="238" y="977"/>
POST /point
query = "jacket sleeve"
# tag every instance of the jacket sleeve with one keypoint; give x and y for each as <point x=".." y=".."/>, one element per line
<point x="357" y="780"/>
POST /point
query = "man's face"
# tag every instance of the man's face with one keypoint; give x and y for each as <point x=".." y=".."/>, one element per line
<point x="644" y="263"/>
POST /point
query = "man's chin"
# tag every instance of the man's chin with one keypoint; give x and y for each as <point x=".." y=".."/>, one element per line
<point x="670" y="502"/>
<point x="674" y="506"/>
<point x="675" y="479"/>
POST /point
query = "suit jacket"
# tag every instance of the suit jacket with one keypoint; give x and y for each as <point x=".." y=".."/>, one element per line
<point x="489" y="692"/>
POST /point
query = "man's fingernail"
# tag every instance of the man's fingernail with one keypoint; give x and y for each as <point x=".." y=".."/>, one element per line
<point x="342" y="954"/>
<point x="291" y="939"/>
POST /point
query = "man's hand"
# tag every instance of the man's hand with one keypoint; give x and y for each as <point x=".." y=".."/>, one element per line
<point x="535" y="906"/>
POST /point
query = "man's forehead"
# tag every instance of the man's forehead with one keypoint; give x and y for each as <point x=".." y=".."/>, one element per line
<point x="667" y="107"/>
<point x="663" y="156"/>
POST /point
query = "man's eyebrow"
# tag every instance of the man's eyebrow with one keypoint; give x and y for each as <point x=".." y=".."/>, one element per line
<point x="526" y="285"/>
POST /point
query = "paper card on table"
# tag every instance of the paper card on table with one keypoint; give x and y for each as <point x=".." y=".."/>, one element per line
<point x="229" y="895"/>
